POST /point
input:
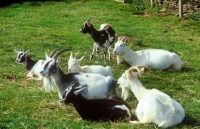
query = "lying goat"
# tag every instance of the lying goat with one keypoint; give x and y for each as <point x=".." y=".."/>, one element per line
<point x="96" y="109"/>
<point x="33" y="67"/>
<point x="154" y="106"/>
<point x="98" y="86"/>
<point x="153" y="58"/>
<point x="22" y="57"/>
<point x="74" y="66"/>
<point x="103" y="38"/>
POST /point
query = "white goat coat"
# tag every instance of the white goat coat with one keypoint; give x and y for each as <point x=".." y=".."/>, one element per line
<point x="74" y="66"/>
<point x="97" y="69"/>
<point x="157" y="107"/>
<point x="153" y="58"/>
<point x="34" y="73"/>
<point x="154" y="106"/>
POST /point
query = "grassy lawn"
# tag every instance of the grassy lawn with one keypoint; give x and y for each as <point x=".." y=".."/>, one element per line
<point x="42" y="26"/>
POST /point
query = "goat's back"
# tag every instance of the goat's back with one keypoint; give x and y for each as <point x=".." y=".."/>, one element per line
<point x="98" y="86"/>
<point x="103" y="109"/>
<point x="108" y="30"/>
<point x="158" y="59"/>
<point x="157" y="107"/>
<point x="97" y="69"/>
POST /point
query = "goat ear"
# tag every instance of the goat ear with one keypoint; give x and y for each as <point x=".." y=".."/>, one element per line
<point x="26" y="52"/>
<point x="79" y="89"/>
<point x="46" y="55"/>
<point x="58" y="60"/>
<point x="142" y="70"/>
<point x="81" y="58"/>
<point x="71" y="56"/>
<point x="88" y="22"/>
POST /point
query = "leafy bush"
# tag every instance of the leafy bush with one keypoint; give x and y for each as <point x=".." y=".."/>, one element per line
<point x="138" y="6"/>
<point x="195" y="16"/>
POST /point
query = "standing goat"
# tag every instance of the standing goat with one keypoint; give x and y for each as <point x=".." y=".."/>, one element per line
<point x="96" y="109"/>
<point x="153" y="58"/>
<point x="103" y="38"/>
<point x="74" y="66"/>
<point x="33" y="68"/>
<point x="98" y="86"/>
<point x="154" y="106"/>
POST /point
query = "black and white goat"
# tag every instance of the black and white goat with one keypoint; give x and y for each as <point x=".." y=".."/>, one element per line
<point x="98" y="86"/>
<point x="33" y="67"/>
<point x="103" y="38"/>
<point x="96" y="109"/>
<point x="22" y="57"/>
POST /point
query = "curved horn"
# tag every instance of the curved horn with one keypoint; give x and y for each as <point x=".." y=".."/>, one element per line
<point x="76" y="54"/>
<point x="134" y="68"/>
<point x="58" y="53"/>
<point x="120" y="38"/>
<point x="53" y="52"/>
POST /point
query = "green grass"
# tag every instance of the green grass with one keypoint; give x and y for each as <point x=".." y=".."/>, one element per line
<point x="43" y="26"/>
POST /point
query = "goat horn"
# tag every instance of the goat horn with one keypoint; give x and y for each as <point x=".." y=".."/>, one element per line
<point x="119" y="38"/>
<point x="53" y="52"/>
<point x="58" y="53"/>
<point x="134" y="68"/>
<point x="76" y="54"/>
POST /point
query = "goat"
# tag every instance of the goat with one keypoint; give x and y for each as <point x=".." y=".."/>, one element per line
<point x="22" y="57"/>
<point x="33" y="68"/>
<point x="96" y="109"/>
<point x="154" y="106"/>
<point x="153" y="58"/>
<point x="98" y="86"/>
<point x="103" y="38"/>
<point x="74" y="66"/>
<point x="30" y="65"/>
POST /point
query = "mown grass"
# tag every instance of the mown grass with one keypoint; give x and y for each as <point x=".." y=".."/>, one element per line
<point x="43" y="26"/>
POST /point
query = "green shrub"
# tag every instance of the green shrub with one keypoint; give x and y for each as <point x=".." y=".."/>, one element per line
<point x="195" y="16"/>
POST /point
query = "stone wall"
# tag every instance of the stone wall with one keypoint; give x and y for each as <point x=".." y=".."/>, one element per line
<point x="189" y="6"/>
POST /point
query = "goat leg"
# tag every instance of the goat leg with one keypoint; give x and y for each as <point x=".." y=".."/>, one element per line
<point x="94" y="47"/>
<point x="105" y="52"/>
<point x="109" y="56"/>
<point x="97" y="54"/>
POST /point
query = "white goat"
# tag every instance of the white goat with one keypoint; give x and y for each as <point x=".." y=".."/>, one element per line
<point x="153" y="58"/>
<point x="74" y="66"/>
<point x="154" y="106"/>
<point x="98" y="86"/>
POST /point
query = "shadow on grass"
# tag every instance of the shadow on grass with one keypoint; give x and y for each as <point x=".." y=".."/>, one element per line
<point x="4" y="3"/>
<point x="184" y="69"/>
<point x="190" y="121"/>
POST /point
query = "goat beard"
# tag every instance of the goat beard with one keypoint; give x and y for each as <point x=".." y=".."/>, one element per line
<point x="48" y="83"/>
